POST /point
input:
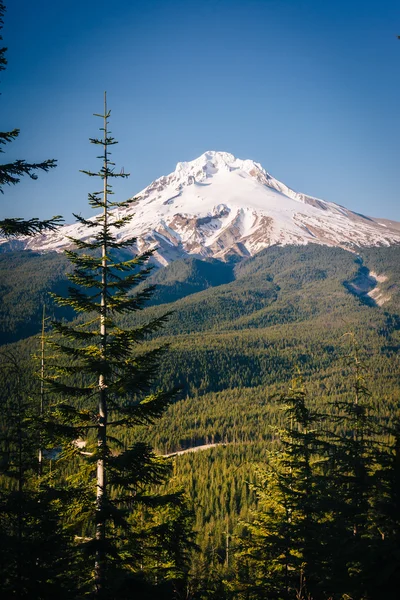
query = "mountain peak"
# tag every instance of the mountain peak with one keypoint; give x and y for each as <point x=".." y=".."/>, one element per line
<point x="218" y="205"/>
<point x="213" y="161"/>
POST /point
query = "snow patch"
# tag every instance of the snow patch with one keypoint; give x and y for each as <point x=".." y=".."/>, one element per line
<point x="377" y="294"/>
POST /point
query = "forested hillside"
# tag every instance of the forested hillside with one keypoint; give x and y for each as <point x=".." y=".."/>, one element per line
<point x="26" y="278"/>
<point x="237" y="335"/>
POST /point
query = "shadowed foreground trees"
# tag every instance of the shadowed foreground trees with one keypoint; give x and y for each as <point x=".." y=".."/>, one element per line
<point x="36" y="554"/>
<point x="328" y="505"/>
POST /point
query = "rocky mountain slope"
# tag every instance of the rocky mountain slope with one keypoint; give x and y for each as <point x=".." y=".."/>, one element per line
<point x="218" y="206"/>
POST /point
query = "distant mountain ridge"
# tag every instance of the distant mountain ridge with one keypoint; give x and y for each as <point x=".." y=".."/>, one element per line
<point x="219" y="206"/>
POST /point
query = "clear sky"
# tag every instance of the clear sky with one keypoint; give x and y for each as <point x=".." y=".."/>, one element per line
<point x="308" y="88"/>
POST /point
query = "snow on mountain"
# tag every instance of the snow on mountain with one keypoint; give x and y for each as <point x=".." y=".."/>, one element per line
<point x="219" y="205"/>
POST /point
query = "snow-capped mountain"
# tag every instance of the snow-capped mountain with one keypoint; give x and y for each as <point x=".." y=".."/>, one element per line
<point x="219" y="205"/>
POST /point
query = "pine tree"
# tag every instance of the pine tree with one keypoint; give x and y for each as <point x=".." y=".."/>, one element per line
<point x="11" y="173"/>
<point x="355" y="451"/>
<point x="112" y="383"/>
<point x="282" y="554"/>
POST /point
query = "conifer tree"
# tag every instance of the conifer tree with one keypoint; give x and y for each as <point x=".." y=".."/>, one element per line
<point x="355" y="452"/>
<point x="112" y="383"/>
<point x="11" y="173"/>
<point x="282" y="555"/>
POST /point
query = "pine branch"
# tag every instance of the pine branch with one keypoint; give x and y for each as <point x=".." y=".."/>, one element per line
<point x="11" y="173"/>
<point x="140" y="465"/>
<point x="138" y="260"/>
<point x="70" y="390"/>
<point x="78" y="301"/>
<point x="124" y="285"/>
<point x="76" y="353"/>
<point x="85" y="261"/>
<point x="125" y="203"/>
<point x="119" y="303"/>
<point x="20" y="227"/>
<point x="82" y="245"/>
<point x="90" y="173"/>
<point x="108" y="141"/>
<point x="8" y="136"/>
<point x="85" y="221"/>
<point x="121" y="222"/>
<point x="122" y="340"/>
<point x="84" y="279"/>
<point x="122" y="244"/>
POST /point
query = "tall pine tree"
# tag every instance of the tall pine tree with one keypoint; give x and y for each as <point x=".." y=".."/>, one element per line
<point x="111" y="382"/>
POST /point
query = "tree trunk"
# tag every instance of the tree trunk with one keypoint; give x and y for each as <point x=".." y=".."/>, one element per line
<point x="101" y="497"/>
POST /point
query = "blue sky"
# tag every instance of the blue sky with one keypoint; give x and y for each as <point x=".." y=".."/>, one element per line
<point x="309" y="89"/>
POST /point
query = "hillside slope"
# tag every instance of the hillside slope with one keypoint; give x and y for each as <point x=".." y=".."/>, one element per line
<point x="237" y="335"/>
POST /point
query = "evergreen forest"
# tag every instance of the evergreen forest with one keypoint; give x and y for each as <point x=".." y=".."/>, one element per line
<point x="283" y="378"/>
